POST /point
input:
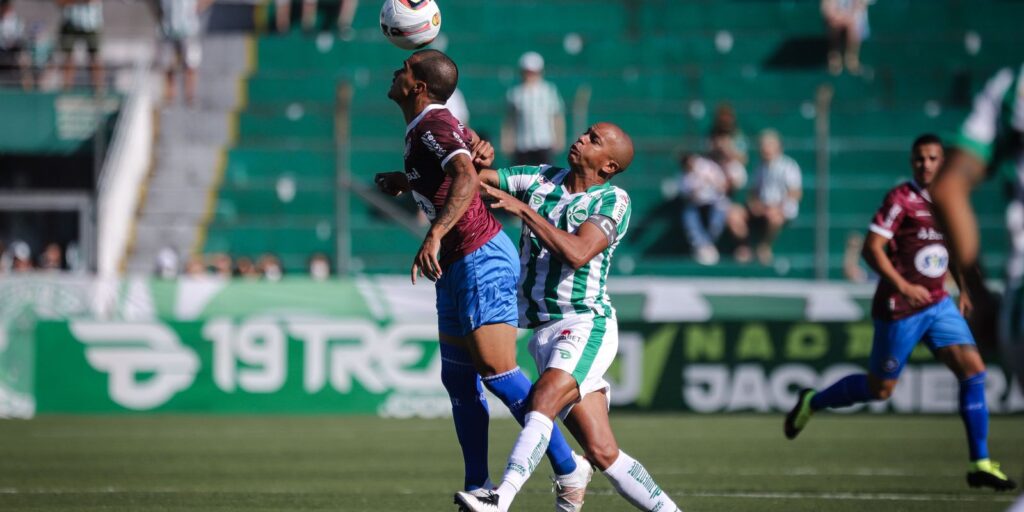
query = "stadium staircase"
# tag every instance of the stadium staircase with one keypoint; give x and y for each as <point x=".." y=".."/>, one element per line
<point x="190" y="148"/>
<point x="657" y="68"/>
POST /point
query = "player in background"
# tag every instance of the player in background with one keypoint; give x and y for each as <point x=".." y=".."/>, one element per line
<point x="573" y="219"/>
<point x="906" y="248"/>
<point x="470" y="259"/>
<point x="991" y="137"/>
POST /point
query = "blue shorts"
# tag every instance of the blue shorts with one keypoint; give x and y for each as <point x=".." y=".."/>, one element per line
<point x="479" y="289"/>
<point x="940" y="325"/>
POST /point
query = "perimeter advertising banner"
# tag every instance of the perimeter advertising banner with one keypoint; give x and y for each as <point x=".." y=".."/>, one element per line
<point x="296" y="364"/>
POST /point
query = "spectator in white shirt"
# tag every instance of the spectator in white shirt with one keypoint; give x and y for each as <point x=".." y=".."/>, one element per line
<point x="773" y="199"/>
<point x="534" y="127"/>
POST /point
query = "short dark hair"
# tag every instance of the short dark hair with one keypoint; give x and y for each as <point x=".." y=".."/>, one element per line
<point x="928" y="138"/>
<point x="438" y="71"/>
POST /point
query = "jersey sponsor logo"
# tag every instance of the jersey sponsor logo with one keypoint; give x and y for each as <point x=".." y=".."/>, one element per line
<point x="922" y="213"/>
<point x="536" y="199"/>
<point x="428" y="208"/>
<point x="929" y="234"/>
<point x="432" y="144"/>
<point x="568" y="337"/>
<point x="932" y="260"/>
<point x="458" y="137"/>
<point x="412" y="174"/>
<point x="620" y="210"/>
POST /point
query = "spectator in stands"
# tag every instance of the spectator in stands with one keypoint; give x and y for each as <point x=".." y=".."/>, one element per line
<point x="181" y="49"/>
<point x="246" y="269"/>
<point x="703" y="186"/>
<point x="270" y="267"/>
<point x="14" y="57"/>
<point x="20" y="256"/>
<point x="534" y="127"/>
<point x="195" y="267"/>
<point x="852" y="270"/>
<point x="773" y="199"/>
<point x="319" y="267"/>
<point x="724" y="153"/>
<point x="346" y="13"/>
<point x="221" y="263"/>
<point x="726" y="136"/>
<point x="81" y="20"/>
<point x="51" y="259"/>
<point x="847" y="22"/>
<point x="167" y="263"/>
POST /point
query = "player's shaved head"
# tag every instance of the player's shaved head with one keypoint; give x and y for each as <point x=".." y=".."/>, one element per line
<point x="619" y="144"/>
<point x="436" y="70"/>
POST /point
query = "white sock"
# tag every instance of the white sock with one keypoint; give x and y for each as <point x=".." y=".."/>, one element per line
<point x="634" y="483"/>
<point x="526" y="454"/>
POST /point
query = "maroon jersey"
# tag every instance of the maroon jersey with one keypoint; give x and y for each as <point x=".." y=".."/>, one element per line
<point x="432" y="139"/>
<point x="916" y="250"/>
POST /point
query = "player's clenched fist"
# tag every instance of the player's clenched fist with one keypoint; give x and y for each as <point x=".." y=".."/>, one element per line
<point x="392" y="183"/>
<point x="483" y="151"/>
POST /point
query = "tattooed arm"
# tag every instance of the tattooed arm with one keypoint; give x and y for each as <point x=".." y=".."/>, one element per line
<point x="465" y="184"/>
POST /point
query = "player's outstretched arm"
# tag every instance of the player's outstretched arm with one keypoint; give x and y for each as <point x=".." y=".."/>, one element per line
<point x="464" y="186"/>
<point x="575" y="249"/>
<point x="960" y="173"/>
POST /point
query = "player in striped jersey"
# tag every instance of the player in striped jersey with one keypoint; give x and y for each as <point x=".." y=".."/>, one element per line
<point x="991" y="136"/>
<point x="573" y="219"/>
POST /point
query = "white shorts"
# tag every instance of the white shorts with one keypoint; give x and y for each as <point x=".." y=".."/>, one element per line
<point x="186" y="52"/>
<point x="582" y="346"/>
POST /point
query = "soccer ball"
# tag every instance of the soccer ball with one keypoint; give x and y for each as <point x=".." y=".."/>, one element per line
<point x="410" y="24"/>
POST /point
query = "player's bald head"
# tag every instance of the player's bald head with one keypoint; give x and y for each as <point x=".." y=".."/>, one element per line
<point x="436" y="70"/>
<point x="618" y="143"/>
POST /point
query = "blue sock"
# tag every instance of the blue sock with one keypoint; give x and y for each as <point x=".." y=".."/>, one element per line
<point x="469" y="410"/>
<point x="849" y="390"/>
<point x="513" y="388"/>
<point x="975" y="415"/>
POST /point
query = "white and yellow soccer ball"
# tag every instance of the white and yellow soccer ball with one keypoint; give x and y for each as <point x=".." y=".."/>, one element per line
<point x="410" y="24"/>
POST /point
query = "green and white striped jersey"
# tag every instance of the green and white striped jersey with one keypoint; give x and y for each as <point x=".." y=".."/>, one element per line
<point x="995" y="128"/>
<point x="549" y="289"/>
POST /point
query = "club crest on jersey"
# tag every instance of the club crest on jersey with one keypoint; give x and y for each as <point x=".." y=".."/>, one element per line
<point x="431" y="143"/>
<point x="932" y="261"/>
<point x="578" y="214"/>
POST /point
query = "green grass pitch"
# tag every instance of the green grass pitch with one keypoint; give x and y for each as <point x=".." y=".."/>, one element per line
<point x="707" y="463"/>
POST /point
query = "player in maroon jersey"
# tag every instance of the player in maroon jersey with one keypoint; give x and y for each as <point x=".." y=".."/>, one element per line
<point x="908" y="251"/>
<point x="474" y="265"/>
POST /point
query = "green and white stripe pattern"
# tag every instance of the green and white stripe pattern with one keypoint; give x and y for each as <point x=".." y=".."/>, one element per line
<point x="997" y="119"/>
<point x="549" y="288"/>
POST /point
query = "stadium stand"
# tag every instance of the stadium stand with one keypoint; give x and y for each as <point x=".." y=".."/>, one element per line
<point x="657" y="68"/>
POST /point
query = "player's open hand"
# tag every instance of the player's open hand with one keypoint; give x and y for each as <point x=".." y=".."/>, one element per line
<point x="426" y="263"/>
<point x="916" y="295"/>
<point x="966" y="306"/>
<point x="392" y="183"/>
<point x="501" y="200"/>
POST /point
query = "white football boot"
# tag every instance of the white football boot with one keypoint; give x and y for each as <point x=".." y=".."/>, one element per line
<point x="469" y="502"/>
<point x="569" y="489"/>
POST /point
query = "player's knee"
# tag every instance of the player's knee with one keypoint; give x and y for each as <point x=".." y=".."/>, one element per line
<point x="601" y="454"/>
